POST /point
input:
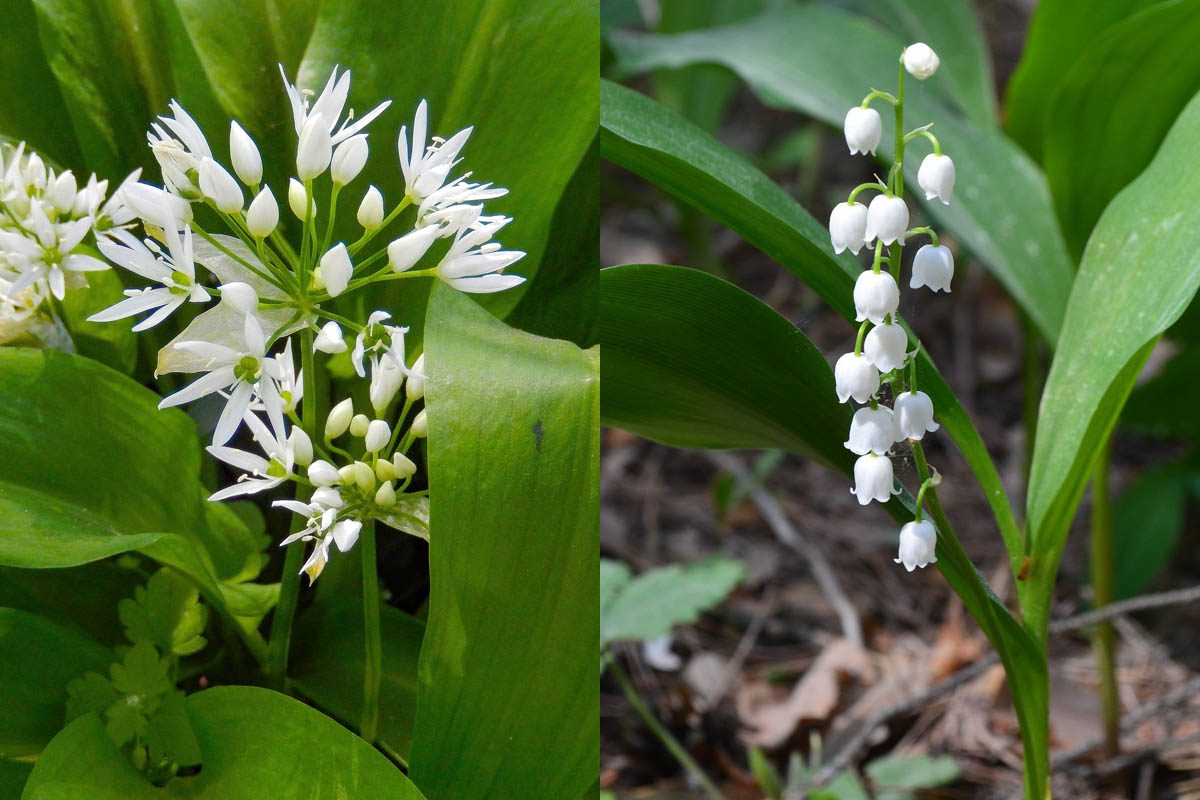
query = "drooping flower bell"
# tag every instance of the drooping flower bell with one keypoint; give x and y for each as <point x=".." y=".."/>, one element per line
<point x="933" y="266"/>
<point x="936" y="177"/>
<point x="914" y="415"/>
<point x="873" y="479"/>
<point x="875" y="296"/>
<point x="864" y="129"/>
<point x="886" y="346"/>
<point x="872" y="430"/>
<point x="887" y="219"/>
<point x="920" y="61"/>
<point x="918" y="541"/>
<point x="856" y="377"/>
<point x="848" y="227"/>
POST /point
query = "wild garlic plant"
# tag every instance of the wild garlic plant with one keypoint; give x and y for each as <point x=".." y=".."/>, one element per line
<point x="882" y="353"/>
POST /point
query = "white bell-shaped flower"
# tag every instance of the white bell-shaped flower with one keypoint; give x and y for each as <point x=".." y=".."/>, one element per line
<point x="263" y="215"/>
<point x="936" y="178"/>
<point x="875" y="296"/>
<point x="914" y="416"/>
<point x="887" y="219"/>
<point x="933" y="266"/>
<point x="848" y="227"/>
<point x="918" y="541"/>
<point x="920" y="61"/>
<point x="330" y="339"/>
<point x="247" y="162"/>
<point x="872" y="430"/>
<point x="855" y="376"/>
<point x="886" y="346"/>
<point x="873" y="479"/>
<point x="864" y="129"/>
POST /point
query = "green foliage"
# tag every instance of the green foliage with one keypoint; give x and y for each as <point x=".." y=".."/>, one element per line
<point x="648" y="606"/>
<point x="1147" y="521"/>
<point x="256" y="743"/>
<point x="166" y="613"/>
<point x="1132" y="285"/>
<point x="507" y="647"/>
<point x="111" y="345"/>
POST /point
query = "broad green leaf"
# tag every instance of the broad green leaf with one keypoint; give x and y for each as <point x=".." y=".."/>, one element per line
<point x="326" y="666"/>
<point x="88" y="459"/>
<point x="1113" y="108"/>
<point x="823" y="61"/>
<point x="111" y="344"/>
<point x="255" y="743"/>
<point x="912" y="772"/>
<point x="1137" y="277"/>
<point x="1058" y="35"/>
<point x="532" y="123"/>
<point x="54" y="594"/>
<point x="658" y="145"/>
<point x="510" y="646"/>
<point x="37" y="660"/>
<point x="45" y="124"/>
<point x="656" y="601"/>
<point x="1162" y="405"/>
<point x="951" y="29"/>
<point x="693" y="361"/>
<point x="1147" y="522"/>
<point x="410" y="515"/>
<point x="614" y="576"/>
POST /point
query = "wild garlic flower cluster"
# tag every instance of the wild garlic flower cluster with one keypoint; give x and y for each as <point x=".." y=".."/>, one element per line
<point x="47" y="222"/>
<point x="272" y="300"/>
<point x="882" y="355"/>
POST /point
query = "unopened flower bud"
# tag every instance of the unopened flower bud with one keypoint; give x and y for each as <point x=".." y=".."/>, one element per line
<point x="359" y="425"/>
<point x="420" y="425"/>
<point x="247" y="162"/>
<point x="370" y="210"/>
<point x="336" y="269"/>
<point x="263" y="215"/>
<point x="328" y="496"/>
<point x="914" y="416"/>
<point x="872" y="430"/>
<point x="873" y="479"/>
<point x="920" y="61"/>
<point x="855" y="376"/>
<point x="406" y="251"/>
<point x="378" y="435"/>
<point x="415" y="387"/>
<point x="887" y="219"/>
<point x="219" y="186"/>
<point x="848" y="227"/>
<point x="240" y="296"/>
<point x="298" y="200"/>
<point x="302" y="448"/>
<point x="385" y="470"/>
<point x="348" y="475"/>
<point x="918" y="543"/>
<point x="330" y="339"/>
<point x="322" y="473"/>
<point x="314" y="149"/>
<point x="405" y="466"/>
<point x="936" y="177"/>
<point x="886" y="346"/>
<point x="864" y="129"/>
<point x="933" y="266"/>
<point x="364" y="476"/>
<point x="339" y="419"/>
<point x="348" y="159"/>
<point x="386" y="496"/>
<point x="875" y="296"/>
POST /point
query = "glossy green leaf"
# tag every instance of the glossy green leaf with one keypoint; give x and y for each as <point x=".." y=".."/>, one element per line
<point x="532" y="123"/>
<point x="255" y="743"/>
<point x="111" y="344"/>
<point x="658" y="145"/>
<point x="510" y="647"/>
<point x="326" y="666"/>
<point x="951" y="29"/>
<point x="693" y="361"/>
<point x="1137" y="277"/>
<point x="823" y="61"/>
<point x="37" y="660"/>
<point x="654" y="602"/>
<point x="1147" y="521"/>
<point x="1113" y="108"/>
<point x="86" y="460"/>
<point x="1059" y="33"/>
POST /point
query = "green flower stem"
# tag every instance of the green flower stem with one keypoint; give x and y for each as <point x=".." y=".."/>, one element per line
<point x="937" y="148"/>
<point x="289" y="584"/>
<point x="659" y="730"/>
<point x="926" y="485"/>
<point x="1102" y="594"/>
<point x="930" y="232"/>
<point x="862" y="332"/>
<point x="878" y="95"/>
<point x="898" y="167"/>
<point x="332" y="214"/>
<point x="389" y="219"/>
<point x="878" y="257"/>
<point x="862" y="187"/>
<point x="373" y="654"/>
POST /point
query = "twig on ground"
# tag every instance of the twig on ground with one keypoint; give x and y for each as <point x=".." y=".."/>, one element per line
<point x="1175" y="597"/>
<point x="786" y="532"/>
